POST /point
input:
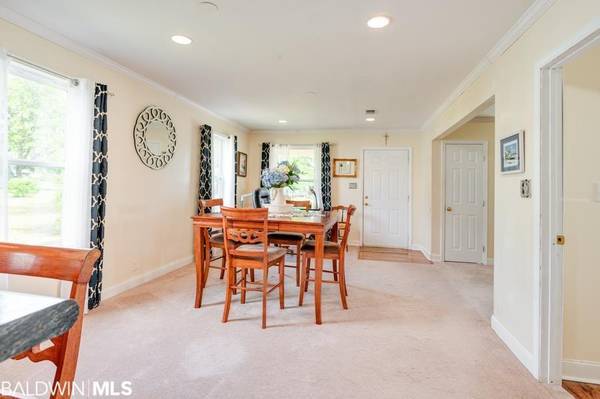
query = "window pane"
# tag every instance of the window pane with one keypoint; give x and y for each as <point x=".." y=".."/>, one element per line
<point x="36" y="120"/>
<point x="34" y="204"/>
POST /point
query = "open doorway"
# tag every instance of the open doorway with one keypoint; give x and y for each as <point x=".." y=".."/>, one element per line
<point x="463" y="190"/>
<point x="570" y="209"/>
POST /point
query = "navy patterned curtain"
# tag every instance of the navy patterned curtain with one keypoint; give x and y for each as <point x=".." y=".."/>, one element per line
<point x="264" y="159"/>
<point x="325" y="177"/>
<point x="235" y="178"/>
<point x="99" y="183"/>
<point x="205" y="184"/>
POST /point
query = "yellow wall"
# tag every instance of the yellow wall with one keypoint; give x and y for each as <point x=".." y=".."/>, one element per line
<point x="512" y="80"/>
<point x="479" y="129"/>
<point x="148" y="212"/>
<point x="581" y="339"/>
<point x="346" y="144"/>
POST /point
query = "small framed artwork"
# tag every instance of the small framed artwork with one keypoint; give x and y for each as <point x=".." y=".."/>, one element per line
<point x="242" y="164"/>
<point x="512" y="153"/>
<point x="343" y="167"/>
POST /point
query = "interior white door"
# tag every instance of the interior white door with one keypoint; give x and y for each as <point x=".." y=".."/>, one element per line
<point x="386" y="198"/>
<point x="465" y="193"/>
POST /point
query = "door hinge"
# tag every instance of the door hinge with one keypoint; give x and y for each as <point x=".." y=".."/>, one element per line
<point x="483" y="204"/>
<point x="484" y="249"/>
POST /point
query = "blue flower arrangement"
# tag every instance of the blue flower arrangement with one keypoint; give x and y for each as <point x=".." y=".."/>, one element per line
<point x="286" y="174"/>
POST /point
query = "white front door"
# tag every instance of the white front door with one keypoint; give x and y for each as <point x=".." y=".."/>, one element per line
<point x="386" y="198"/>
<point x="465" y="194"/>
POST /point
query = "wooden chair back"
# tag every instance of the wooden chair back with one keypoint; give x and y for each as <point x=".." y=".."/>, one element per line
<point x="299" y="204"/>
<point x="205" y="205"/>
<point x="74" y="265"/>
<point x="246" y="226"/>
<point x="349" y="213"/>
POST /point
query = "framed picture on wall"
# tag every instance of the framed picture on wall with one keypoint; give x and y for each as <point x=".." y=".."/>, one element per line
<point x="242" y="164"/>
<point x="512" y="153"/>
<point x="344" y="167"/>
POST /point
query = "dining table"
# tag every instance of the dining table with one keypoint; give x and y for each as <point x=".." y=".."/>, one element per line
<point x="317" y="224"/>
<point x="27" y="320"/>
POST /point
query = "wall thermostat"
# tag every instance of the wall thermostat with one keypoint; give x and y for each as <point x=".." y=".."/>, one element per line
<point x="353" y="186"/>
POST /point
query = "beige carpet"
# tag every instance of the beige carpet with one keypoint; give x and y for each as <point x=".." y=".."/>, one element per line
<point x="411" y="332"/>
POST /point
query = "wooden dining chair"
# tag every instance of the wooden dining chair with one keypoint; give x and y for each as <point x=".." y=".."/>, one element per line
<point x="334" y="251"/>
<point x="300" y="204"/>
<point x="290" y="239"/>
<point x="342" y="214"/>
<point x="246" y="232"/>
<point x="74" y="265"/>
<point x="212" y="239"/>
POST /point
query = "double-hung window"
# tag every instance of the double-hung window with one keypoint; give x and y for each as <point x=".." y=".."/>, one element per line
<point x="44" y="168"/>
<point x="223" y="173"/>
<point x="308" y="159"/>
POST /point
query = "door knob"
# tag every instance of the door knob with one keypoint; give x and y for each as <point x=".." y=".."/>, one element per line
<point x="366" y="204"/>
<point x="449" y="209"/>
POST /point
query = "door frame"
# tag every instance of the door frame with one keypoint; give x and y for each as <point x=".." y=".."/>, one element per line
<point x="548" y="292"/>
<point x="444" y="143"/>
<point x="362" y="196"/>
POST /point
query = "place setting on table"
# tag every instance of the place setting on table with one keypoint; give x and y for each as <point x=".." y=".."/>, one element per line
<point x="259" y="238"/>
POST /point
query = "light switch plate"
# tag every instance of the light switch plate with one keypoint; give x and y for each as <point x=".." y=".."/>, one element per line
<point x="353" y="186"/>
<point x="525" y="188"/>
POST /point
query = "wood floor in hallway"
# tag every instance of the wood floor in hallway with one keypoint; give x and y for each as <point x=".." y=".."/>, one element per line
<point x="412" y="331"/>
<point x="580" y="390"/>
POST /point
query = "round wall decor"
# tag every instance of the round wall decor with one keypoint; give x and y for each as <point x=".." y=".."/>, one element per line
<point x="154" y="137"/>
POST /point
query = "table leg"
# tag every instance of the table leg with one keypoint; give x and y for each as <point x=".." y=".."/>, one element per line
<point x="199" y="261"/>
<point x="319" y="254"/>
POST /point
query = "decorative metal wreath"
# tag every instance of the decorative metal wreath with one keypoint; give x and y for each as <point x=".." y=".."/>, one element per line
<point x="143" y="121"/>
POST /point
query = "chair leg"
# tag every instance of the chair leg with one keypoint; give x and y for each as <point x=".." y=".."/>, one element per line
<point x="303" y="282"/>
<point x="207" y="257"/>
<point x="252" y="275"/>
<point x="342" y="284"/>
<point x="243" y="296"/>
<point x="281" y="283"/>
<point x="307" y="271"/>
<point x="334" y="267"/>
<point x="222" y="266"/>
<point x="228" y="292"/>
<point x="298" y="260"/>
<point x="264" y="296"/>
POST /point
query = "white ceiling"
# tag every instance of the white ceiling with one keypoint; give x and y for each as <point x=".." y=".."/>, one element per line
<point x="313" y="63"/>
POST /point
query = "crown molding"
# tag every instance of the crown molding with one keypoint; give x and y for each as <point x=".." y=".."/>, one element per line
<point x="57" y="38"/>
<point x="526" y="21"/>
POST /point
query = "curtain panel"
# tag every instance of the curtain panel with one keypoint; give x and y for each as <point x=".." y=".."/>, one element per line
<point x="326" y="176"/>
<point x="235" y="170"/>
<point x="205" y="183"/>
<point x="99" y="186"/>
<point x="264" y="159"/>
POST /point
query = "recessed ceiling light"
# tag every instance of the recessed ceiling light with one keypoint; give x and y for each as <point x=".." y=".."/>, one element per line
<point x="370" y="119"/>
<point x="378" y="22"/>
<point x="283" y="121"/>
<point x="179" y="39"/>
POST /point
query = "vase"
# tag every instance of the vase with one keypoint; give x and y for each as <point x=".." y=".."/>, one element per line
<point x="278" y="196"/>
<point x="278" y="203"/>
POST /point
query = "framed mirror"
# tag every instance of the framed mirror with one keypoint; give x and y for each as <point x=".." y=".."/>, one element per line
<point x="154" y="137"/>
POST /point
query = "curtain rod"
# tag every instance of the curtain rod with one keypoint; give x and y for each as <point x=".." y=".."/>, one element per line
<point x="299" y="145"/>
<point x="74" y="81"/>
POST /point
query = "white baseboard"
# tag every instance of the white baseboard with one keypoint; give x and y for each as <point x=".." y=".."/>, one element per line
<point x="515" y="347"/>
<point x="354" y="243"/>
<point x="581" y="371"/>
<point x="146" y="277"/>
<point x="436" y="258"/>
<point x="420" y="248"/>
